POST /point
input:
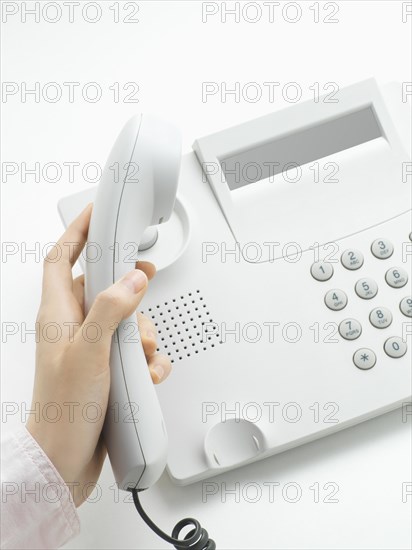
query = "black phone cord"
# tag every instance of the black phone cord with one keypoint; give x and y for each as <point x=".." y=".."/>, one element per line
<point x="195" y="539"/>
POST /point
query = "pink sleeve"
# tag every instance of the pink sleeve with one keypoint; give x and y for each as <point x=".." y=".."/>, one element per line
<point x="37" y="509"/>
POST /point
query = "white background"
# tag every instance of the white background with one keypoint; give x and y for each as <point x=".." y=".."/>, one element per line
<point x="169" y="53"/>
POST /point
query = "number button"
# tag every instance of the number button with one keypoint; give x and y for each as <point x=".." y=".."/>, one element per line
<point x="350" y="329"/>
<point x="336" y="299"/>
<point x="406" y="306"/>
<point x="364" y="358"/>
<point x="321" y="271"/>
<point x="382" y="249"/>
<point x="352" y="259"/>
<point x="396" y="277"/>
<point x="395" y="347"/>
<point x="380" y="317"/>
<point x="366" y="288"/>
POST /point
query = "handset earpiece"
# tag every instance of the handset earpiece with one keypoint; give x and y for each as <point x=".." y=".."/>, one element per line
<point x="138" y="194"/>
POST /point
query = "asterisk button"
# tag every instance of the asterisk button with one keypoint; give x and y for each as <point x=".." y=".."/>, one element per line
<point x="364" y="358"/>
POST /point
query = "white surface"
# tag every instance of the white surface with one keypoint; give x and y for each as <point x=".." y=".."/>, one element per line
<point x="170" y="54"/>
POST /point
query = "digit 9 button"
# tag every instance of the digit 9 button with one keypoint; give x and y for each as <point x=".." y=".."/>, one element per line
<point x="406" y="306"/>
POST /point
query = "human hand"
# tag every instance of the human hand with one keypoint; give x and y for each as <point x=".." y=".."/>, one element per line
<point x="72" y="371"/>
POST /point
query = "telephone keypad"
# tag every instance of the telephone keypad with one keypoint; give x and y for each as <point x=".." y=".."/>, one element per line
<point x="366" y="288"/>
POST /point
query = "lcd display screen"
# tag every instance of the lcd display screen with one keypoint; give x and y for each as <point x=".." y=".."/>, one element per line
<point x="301" y="147"/>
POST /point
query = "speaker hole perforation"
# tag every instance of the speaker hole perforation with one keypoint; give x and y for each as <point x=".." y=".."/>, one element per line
<point x="186" y="329"/>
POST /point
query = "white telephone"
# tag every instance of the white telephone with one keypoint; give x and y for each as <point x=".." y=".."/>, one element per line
<point x="283" y="292"/>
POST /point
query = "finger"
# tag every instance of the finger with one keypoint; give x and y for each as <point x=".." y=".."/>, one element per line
<point x="57" y="269"/>
<point x="147" y="332"/>
<point x="110" y="307"/>
<point x="148" y="268"/>
<point x="78" y="289"/>
<point x="159" y="367"/>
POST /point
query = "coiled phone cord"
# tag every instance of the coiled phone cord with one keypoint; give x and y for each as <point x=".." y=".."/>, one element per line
<point x="196" y="539"/>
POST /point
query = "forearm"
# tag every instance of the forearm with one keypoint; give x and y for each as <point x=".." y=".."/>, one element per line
<point x="37" y="510"/>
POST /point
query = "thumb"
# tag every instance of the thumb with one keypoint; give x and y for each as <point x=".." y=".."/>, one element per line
<point x="110" y="307"/>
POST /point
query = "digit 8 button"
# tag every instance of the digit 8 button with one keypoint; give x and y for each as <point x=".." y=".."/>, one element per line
<point x="380" y="317"/>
